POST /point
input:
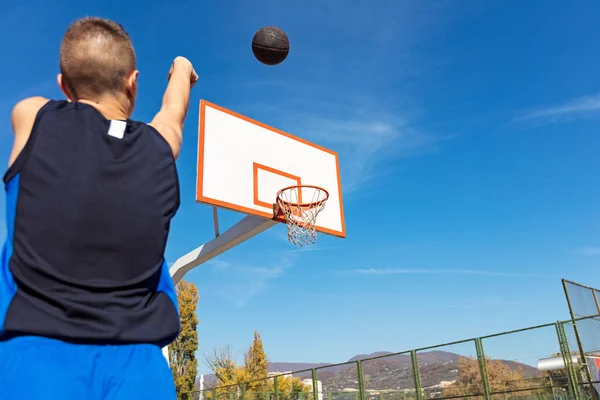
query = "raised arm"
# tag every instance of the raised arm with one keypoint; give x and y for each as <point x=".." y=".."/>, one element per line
<point x="169" y="120"/>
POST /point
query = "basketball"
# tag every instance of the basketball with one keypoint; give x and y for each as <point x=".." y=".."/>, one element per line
<point x="270" y="45"/>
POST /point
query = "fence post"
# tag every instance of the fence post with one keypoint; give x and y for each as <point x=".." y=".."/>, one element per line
<point x="275" y="389"/>
<point x="483" y="369"/>
<point x="243" y="391"/>
<point x="214" y="394"/>
<point x="596" y="300"/>
<point x="314" y="382"/>
<point x="577" y="337"/>
<point x="416" y="375"/>
<point x="567" y="359"/>
<point x="361" y="380"/>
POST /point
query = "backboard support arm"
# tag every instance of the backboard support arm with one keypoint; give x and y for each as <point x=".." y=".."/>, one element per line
<point x="216" y="220"/>
<point x="245" y="229"/>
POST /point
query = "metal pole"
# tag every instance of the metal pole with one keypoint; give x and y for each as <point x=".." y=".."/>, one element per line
<point x="361" y="381"/>
<point x="216" y="220"/>
<point x="314" y="382"/>
<point x="596" y="300"/>
<point x="416" y="375"/>
<point x="483" y="369"/>
<point x="567" y="359"/>
<point x="582" y="359"/>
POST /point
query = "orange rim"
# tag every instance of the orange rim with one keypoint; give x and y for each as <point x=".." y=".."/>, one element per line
<point x="302" y="205"/>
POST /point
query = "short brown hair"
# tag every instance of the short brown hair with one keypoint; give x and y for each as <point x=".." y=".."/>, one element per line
<point x="96" y="55"/>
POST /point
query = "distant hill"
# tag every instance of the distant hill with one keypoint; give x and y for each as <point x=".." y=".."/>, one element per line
<point x="291" y="366"/>
<point x="384" y="373"/>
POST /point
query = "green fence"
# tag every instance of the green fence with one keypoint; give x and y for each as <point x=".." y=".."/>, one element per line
<point x="582" y="300"/>
<point x="555" y="361"/>
<point x="543" y="362"/>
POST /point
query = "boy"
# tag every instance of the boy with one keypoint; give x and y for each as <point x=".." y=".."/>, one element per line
<point x="86" y="300"/>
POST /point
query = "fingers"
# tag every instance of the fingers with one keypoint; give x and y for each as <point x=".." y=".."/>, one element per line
<point x="193" y="77"/>
<point x="184" y="62"/>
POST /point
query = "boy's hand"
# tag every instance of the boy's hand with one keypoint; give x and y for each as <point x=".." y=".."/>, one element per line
<point x="183" y="64"/>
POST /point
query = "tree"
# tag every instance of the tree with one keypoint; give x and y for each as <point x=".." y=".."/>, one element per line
<point x="255" y="363"/>
<point x="227" y="372"/>
<point x="182" y="352"/>
<point x="501" y="378"/>
<point x="290" y="388"/>
<point x="253" y="375"/>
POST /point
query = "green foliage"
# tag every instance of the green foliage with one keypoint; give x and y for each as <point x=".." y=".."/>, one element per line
<point x="227" y="372"/>
<point x="182" y="352"/>
<point x="252" y="376"/>
<point x="502" y="377"/>
<point x="255" y="364"/>
<point x="290" y="388"/>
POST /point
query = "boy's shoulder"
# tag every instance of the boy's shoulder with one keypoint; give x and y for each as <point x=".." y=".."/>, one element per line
<point x="24" y="114"/>
<point x="27" y="108"/>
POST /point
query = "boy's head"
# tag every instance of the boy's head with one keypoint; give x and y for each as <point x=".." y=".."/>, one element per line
<point x="97" y="62"/>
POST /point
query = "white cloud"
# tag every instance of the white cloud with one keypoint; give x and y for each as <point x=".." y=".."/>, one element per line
<point x="366" y="145"/>
<point x="241" y="282"/>
<point x="472" y="303"/>
<point x="313" y="248"/>
<point x="572" y="109"/>
<point x="367" y="141"/>
<point x="588" y="251"/>
<point x="218" y="264"/>
<point x="403" y="271"/>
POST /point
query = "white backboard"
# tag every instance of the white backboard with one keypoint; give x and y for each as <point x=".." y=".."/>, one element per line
<point x="243" y="163"/>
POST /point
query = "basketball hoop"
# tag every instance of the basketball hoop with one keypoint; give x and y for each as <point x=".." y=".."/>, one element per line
<point x="301" y="216"/>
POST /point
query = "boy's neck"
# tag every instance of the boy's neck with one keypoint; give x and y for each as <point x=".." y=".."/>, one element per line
<point x="110" y="108"/>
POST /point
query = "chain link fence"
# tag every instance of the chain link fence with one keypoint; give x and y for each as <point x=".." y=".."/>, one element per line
<point x="558" y="361"/>
<point x="526" y="363"/>
<point x="583" y="301"/>
<point x="389" y="377"/>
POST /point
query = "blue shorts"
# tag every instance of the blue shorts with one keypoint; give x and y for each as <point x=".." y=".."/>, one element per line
<point x="41" y="368"/>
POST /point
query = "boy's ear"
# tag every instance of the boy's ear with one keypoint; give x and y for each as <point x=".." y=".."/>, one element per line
<point x="63" y="86"/>
<point x="132" y="84"/>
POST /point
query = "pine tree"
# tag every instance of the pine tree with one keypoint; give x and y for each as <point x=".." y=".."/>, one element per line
<point x="182" y="352"/>
<point x="255" y="363"/>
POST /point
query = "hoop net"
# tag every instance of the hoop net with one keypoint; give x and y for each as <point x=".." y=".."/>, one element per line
<point x="300" y="214"/>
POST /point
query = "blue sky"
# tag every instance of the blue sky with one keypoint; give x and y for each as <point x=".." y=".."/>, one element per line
<point x="468" y="139"/>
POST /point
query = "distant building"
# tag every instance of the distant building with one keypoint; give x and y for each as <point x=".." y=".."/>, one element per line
<point x="274" y="373"/>
<point x="308" y="382"/>
<point x="201" y="387"/>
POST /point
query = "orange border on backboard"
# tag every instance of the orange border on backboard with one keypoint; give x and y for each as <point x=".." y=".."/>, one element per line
<point x="200" y="170"/>
<point x="256" y="166"/>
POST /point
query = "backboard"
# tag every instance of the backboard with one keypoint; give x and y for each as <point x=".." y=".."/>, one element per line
<point x="243" y="163"/>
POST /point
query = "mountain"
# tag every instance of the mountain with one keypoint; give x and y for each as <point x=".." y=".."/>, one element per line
<point x="384" y="372"/>
<point x="393" y="372"/>
<point x="291" y="366"/>
<point x="376" y="354"/>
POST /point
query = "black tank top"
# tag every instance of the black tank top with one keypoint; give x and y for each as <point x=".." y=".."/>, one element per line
<point x="88" y="208"/>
